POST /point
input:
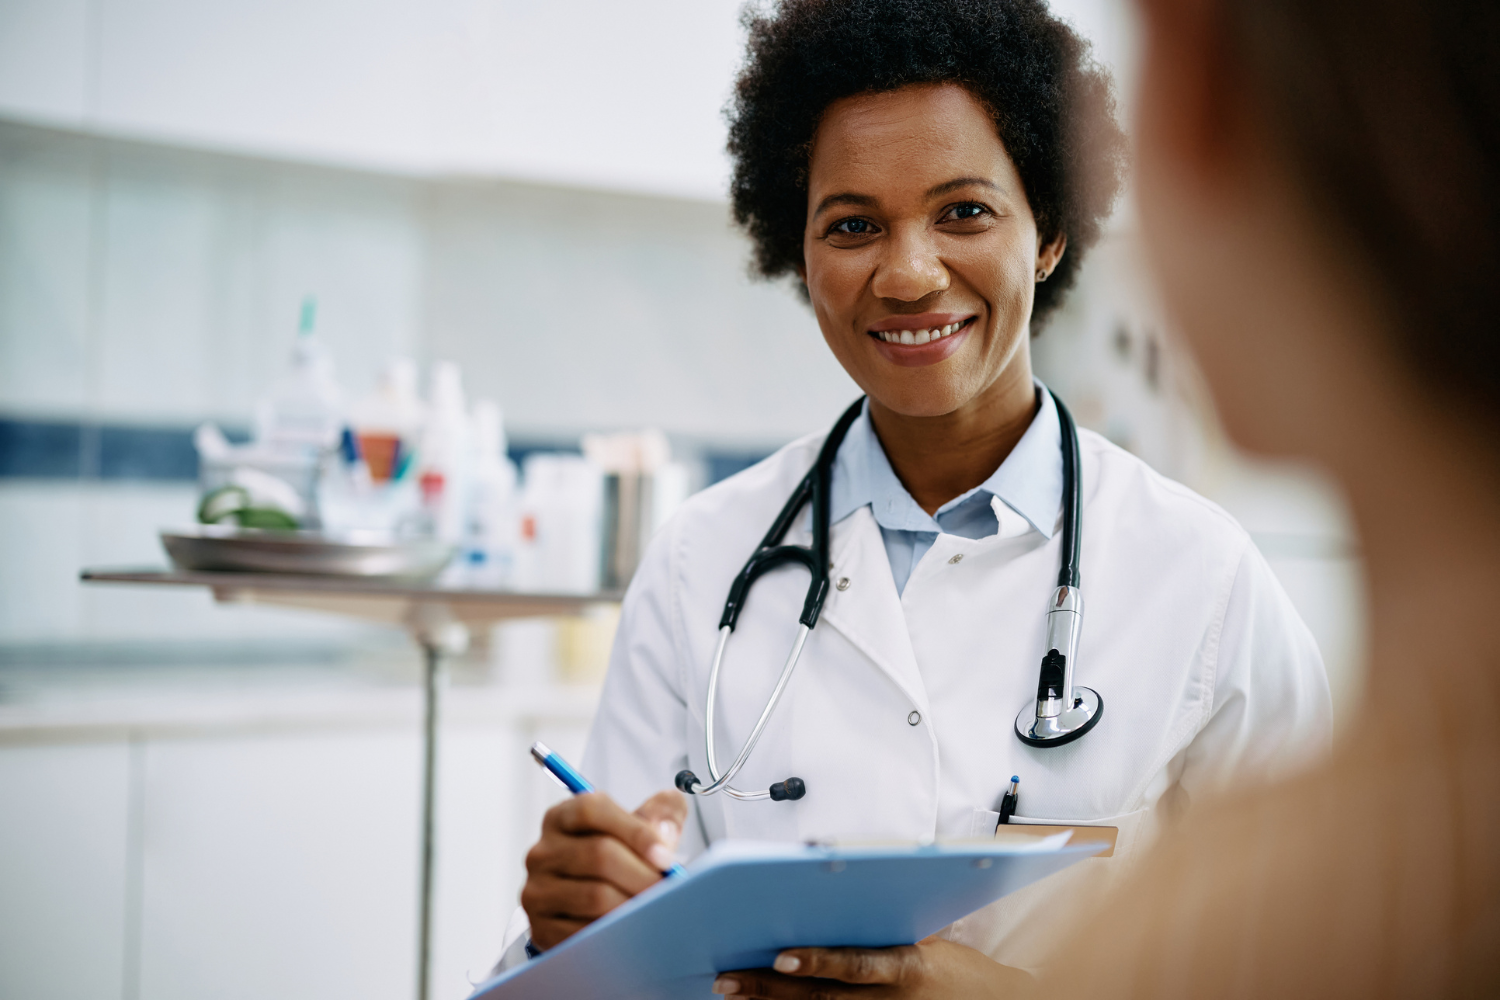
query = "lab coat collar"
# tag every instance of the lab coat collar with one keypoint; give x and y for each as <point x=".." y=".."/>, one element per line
<point x="1029" y="481"/>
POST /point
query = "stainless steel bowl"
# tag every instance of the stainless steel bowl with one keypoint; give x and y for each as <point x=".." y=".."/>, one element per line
<point x="247" y="550"/>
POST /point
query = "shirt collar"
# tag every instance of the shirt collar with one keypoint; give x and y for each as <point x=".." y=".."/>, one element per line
<point x="1029" y="481"/>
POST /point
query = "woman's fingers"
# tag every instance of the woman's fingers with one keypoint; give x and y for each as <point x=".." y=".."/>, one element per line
<point x="763" y="984"/>
<point x="850" y="965"/>
<point x="592" y="856"/>
<point x="598" y="813"/>
<point x="666" y="811"/>
<point x="808" y="973"/>
<point x="569" y="898"/>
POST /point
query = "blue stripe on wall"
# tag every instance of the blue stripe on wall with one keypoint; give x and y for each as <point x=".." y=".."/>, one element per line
<point x="42" y="449"/>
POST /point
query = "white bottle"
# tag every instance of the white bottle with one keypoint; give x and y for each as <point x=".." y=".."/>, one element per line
<point x="303" y="412"/>
<point x="562" y="506"/>
<point x="370" y="485"/>
<point x="445" y="458"/>
<point x="494" y="522"/>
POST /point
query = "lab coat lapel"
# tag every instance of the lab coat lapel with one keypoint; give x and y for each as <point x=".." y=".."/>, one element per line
<point x="868" y="610"/>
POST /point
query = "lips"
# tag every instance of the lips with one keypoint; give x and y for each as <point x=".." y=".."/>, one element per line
<point x="918" y="341"/>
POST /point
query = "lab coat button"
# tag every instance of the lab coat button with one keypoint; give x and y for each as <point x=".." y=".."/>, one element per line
<point x="956" y="559"/>
<point x="843" y="583"/>
<point x="914" y="718"/>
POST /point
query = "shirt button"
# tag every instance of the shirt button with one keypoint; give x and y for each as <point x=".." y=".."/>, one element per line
<point x="956" y="559"/>
<point x="843" y="583"/>
<point x="914" y="718"/>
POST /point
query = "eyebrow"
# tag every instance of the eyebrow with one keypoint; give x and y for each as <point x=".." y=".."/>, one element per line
<point x="846" y="198"/>
<point x="865" y="201"/>
<point x="963" y="182"/>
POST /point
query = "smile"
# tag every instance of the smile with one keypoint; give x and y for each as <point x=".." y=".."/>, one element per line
<point x="921" y="335"/>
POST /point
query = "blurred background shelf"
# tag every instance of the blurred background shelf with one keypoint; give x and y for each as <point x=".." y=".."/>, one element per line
<point x="388" y="601"/>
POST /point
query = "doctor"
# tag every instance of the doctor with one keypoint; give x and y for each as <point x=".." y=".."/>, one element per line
<point x="930" y="252"/>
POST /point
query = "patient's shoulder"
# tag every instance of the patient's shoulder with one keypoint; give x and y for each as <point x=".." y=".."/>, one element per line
<point x="1325" y="885"/>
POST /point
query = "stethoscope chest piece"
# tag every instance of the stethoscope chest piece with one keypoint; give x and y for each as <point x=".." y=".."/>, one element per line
<point x="1066" y="726"/>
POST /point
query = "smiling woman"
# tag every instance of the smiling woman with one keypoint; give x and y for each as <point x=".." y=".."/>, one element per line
<point x="931" y="171"/>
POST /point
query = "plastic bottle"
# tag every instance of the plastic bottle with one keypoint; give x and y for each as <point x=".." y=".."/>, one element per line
<point x="386" y="423"/>
<point x="562" y="503"/>
<point x="445" y="458"/>
<point x="490" y="544"/>
<point x="303" y="412"/>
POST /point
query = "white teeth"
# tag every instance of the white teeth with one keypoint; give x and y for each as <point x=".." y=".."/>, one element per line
<point x="919" y="336"/>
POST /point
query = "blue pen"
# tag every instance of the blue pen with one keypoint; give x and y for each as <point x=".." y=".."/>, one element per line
<point x="575" y="783"/>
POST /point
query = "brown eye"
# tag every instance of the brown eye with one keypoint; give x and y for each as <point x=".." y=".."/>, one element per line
<point x="968" y="210"/>
<point x="853" y="227"/>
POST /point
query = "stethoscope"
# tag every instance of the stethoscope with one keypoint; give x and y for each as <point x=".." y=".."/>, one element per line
<point x="1063" y="711"/>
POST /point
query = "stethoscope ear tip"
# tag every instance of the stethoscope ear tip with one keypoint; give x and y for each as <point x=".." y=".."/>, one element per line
<point x="791" y="789"/>
<point x="686" y="782"/>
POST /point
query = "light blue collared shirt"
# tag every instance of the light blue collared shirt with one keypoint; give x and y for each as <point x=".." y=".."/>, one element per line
<point x="1029" y="482"/>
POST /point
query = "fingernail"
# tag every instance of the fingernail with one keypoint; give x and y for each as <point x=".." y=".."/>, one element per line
<point x="669" y="833"/>
<point x="724" y="985"/>
<point x="787" y="963"/>
<point x="659" y="856"/>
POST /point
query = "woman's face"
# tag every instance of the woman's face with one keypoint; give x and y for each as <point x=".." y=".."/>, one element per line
<point x="920" y="250"/>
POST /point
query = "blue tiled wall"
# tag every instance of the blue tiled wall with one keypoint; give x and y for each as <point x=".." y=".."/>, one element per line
<point x="51" y="449"/>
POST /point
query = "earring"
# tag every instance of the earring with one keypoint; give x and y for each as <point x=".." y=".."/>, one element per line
<point x="1041" y="275"/>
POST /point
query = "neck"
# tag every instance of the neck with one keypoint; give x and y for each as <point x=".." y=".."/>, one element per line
<point x="939" y="458"/>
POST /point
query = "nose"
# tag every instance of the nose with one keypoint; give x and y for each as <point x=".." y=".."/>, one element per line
<point x="910" y="269"/>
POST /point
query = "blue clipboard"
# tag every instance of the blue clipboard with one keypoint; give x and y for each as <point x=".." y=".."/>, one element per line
<point x="742" y="902"/>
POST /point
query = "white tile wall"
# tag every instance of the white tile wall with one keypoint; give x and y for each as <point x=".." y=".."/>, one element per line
<point x="45" y="200"/>
<point x="156" y="285"/>
<point x="582" y="310"/>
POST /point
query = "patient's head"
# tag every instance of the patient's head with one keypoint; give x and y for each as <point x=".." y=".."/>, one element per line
<point x="1320" y="189"/>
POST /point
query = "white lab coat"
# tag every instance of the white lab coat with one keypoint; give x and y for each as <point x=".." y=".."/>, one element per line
<point x="900" y="715"/>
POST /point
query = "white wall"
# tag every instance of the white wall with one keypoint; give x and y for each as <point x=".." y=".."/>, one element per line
<point x="622" y="96"/>
<point x="616" y="95"/>
<point x="584" y="310"/>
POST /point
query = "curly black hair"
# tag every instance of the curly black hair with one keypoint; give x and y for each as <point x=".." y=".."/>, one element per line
<point x="1053" y="107"/>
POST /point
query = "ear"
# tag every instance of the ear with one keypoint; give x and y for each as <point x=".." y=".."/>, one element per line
<point x="1051" y="253"/>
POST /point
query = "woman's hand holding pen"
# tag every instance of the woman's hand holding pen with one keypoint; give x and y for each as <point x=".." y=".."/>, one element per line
<point x="593" y="856"/>
<point x="932" y="968"/>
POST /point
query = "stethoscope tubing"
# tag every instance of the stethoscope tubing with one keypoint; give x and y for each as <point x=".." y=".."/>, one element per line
<point x="760" y="724"/>
<point x="816" y="487"/>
